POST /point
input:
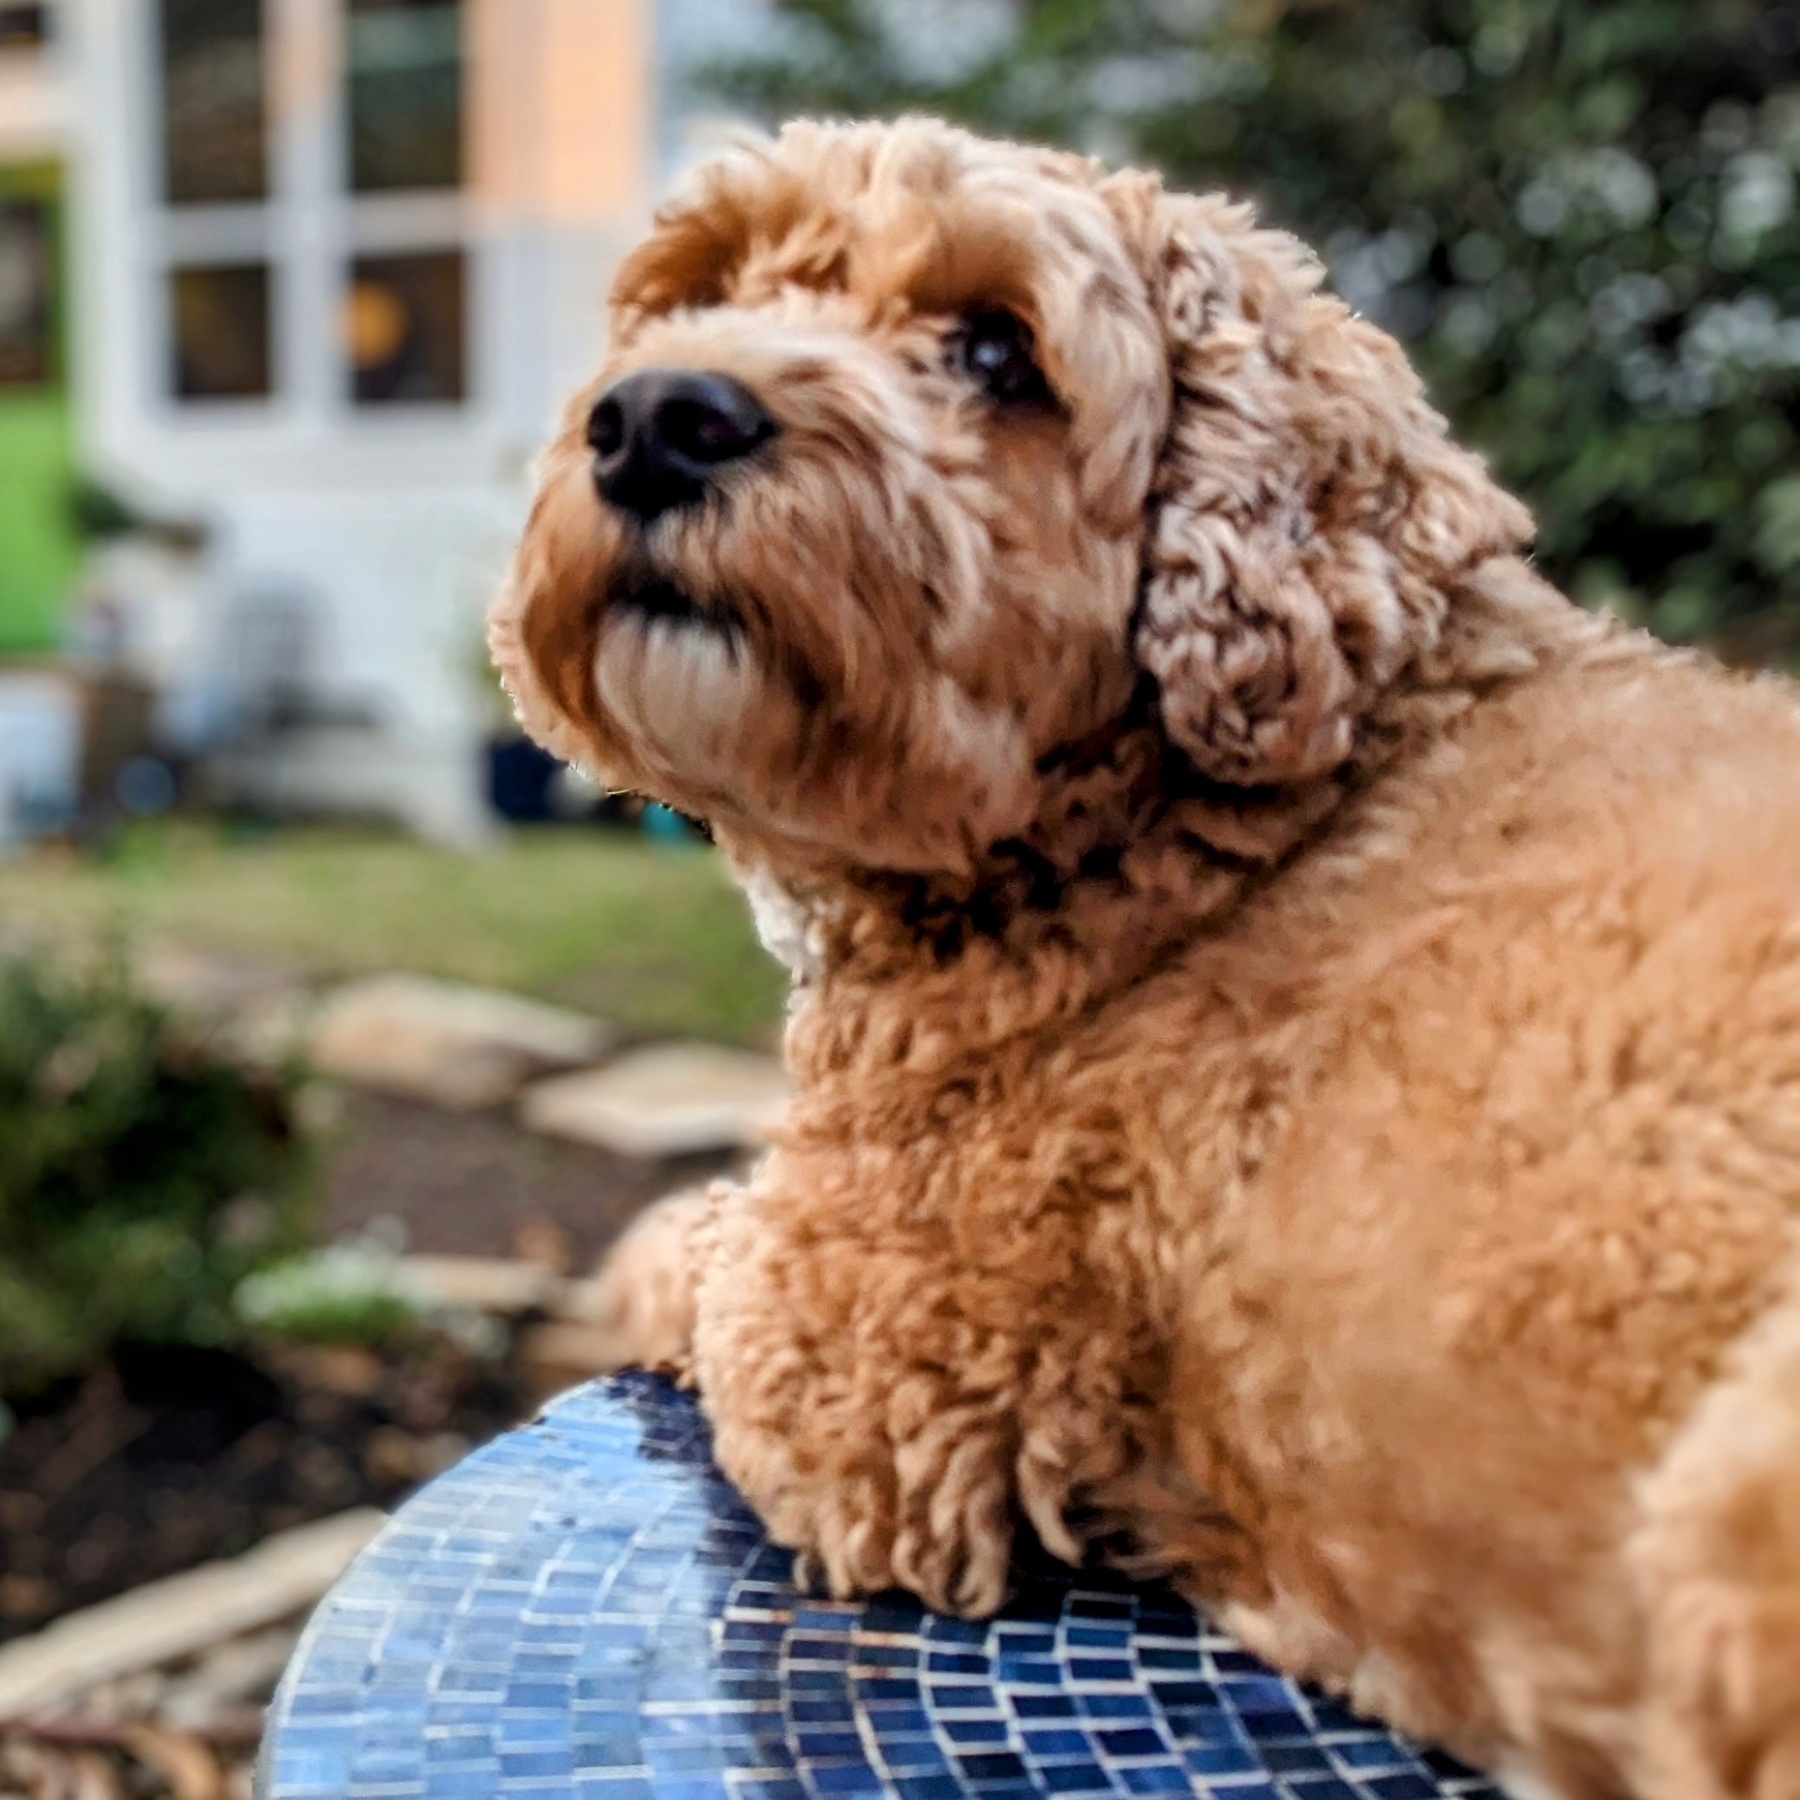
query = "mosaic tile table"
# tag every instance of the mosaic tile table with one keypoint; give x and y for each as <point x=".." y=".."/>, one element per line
<point x="585" y="1610"/>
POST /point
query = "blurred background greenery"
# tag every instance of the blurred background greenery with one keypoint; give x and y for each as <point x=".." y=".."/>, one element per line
<point x="1579" y="215"/>
<point x="142" y="1176"/>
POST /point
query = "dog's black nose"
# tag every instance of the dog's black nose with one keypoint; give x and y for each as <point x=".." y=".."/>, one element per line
<point x="661" y="436"/>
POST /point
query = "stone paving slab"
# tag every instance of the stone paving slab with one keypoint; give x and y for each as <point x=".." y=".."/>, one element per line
<point x="501" y="1286"/>
<point x="182" y="1615"/>
<point x="439" y="1041"/>
<point x="209" y="983"/>
<point x="667" y="1100"/>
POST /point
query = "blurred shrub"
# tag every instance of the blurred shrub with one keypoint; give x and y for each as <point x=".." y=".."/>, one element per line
<point x="97" y="514"/>
<point x="142" y="1176"/>
<point x="1579" y="214"/>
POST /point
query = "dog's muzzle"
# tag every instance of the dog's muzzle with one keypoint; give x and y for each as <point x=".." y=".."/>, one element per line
<point x="662" y="437"/>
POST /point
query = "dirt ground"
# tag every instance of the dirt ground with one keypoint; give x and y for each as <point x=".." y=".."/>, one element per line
<point x="166" y="1458"/>
<point x="466" y="1183"/>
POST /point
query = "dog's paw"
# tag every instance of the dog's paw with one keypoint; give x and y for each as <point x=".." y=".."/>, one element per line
<point x="810" y="1580"/>
<point x="932" y="1515"/>
<point x="954" y="1540"/>
<point x="640" y="1306"/>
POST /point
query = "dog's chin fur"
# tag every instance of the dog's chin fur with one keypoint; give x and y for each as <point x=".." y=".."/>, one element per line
<point x="674" y="676"/>
<point x="654" y="600"/>
<point x="1296" y="1027"/>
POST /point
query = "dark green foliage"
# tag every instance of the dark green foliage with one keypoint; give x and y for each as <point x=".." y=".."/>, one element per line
<point x="97" y="514"/>
<point x="1579" y="214"/>
<point x="141" y="1176"/>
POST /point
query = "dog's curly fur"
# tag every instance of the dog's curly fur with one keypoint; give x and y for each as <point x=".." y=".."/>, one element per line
<point x="1296" y="1027"/>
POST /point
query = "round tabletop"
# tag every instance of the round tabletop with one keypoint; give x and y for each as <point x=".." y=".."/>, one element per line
<point x="585" y="1610"/>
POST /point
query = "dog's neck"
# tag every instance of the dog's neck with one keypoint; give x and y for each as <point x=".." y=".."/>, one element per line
<point x="1132" y="856"/>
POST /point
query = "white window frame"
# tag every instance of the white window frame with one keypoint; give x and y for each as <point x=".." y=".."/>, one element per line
<point x="309" y="230"/>
<point x="37" y="46"/>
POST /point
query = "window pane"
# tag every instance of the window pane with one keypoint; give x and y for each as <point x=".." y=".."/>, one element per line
<point x="404" y="328"/>
<point x="27" y="253"/>
<point x="406" y="94"/>
<point x="221" y="321"/>
<point x="22" y="25"/>
<point x="213" y="114"/>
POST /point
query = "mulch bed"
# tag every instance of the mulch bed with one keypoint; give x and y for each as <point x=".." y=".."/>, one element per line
<point x="164" y="1459"/>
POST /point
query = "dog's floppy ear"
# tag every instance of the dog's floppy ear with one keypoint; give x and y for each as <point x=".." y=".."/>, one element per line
<point x="1308" y="511"/>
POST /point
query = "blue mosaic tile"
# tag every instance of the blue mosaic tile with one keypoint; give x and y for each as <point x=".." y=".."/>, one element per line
<point x="584" y="1610"/>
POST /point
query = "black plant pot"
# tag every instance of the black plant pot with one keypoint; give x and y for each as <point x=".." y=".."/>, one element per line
<point x="521" y="780"/>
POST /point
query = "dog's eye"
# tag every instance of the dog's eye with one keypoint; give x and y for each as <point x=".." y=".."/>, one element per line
<point x="994" y="350"/>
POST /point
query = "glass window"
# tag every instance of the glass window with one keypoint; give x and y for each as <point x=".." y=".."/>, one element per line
<point x="221" y="332"/>
<point x="406" y="94"/>
<point x="214" y="117"/>
<point x="27" y="260"/>
<point x="23" y="25"/>
<point x="405" y="328"/>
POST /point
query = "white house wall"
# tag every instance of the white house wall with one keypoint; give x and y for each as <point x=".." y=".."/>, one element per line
<point x="396" y="523"/>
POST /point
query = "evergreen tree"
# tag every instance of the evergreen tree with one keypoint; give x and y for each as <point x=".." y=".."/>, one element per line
<point x="1580" y="215"/>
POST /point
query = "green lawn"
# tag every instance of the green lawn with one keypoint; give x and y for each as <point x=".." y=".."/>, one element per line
<point x="653" y="937"/>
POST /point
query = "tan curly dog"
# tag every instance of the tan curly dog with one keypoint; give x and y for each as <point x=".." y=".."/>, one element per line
<point x="1296" y="1026"/>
